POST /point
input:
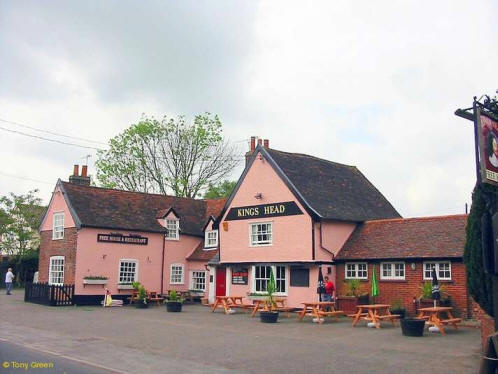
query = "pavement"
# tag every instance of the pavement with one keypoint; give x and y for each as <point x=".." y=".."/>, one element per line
<point x="131" y="340"/>
<point x="15" y="358"/>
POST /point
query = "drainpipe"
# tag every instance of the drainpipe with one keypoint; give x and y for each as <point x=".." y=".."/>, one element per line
<point x="162" y="267"/>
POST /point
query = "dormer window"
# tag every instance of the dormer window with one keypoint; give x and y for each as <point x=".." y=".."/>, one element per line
<point x="173" y="227"/>
<point x="211" y="239"/>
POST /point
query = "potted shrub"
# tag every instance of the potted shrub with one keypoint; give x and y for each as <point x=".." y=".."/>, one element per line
<point x="398" y="308"/>
<point x="174" y="302"/>
<point x="142" y="298"/>
<point x="354" y="296"/>
<point x="425" y="298"/>
<point x="270" y="316"/>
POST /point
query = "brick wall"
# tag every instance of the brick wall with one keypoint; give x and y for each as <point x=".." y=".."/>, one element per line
<point x="64" y="247"/>
<point x="407" y="289"/>
<point x="487" y="323"/>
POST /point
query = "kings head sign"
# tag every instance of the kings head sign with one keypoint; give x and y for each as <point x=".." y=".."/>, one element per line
<point x="288" y="208"/>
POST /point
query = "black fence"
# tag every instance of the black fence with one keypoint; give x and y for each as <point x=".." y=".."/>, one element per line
<point x="49" y="294"/>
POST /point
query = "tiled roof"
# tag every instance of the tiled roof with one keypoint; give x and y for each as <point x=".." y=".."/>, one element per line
<point x="199" y="254"/>
<point x="135" y="211"/>
<point x="428" y="237"/>
<point x="334" y="191"/>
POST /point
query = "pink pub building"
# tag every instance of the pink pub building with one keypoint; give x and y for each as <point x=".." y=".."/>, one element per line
<point x="292" y="213"/>
<point x="289" y="212"/>
<point x="98" y="238"/>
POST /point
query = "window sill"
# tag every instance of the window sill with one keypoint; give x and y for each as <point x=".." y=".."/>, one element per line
<point x="94" y="281"/>
<point x="210" y="248"/>
<point x="260" y="245"/>
<point x="360" y="279"/>
<point x="393" y="281"/>
<point x="125" y="286"/>
<point x="57" y="238"/>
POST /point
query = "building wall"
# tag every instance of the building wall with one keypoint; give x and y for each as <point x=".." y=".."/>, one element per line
<point x="333" y="236"/>
<point x="294" y="297"/>
<point x="62" y="247"/>
<point x="102" y="259"/>
<point x="408" y="289"/>
<point x="176" y="252"/>
<point x="292" y="235"/>
<point x="57" y="204"/>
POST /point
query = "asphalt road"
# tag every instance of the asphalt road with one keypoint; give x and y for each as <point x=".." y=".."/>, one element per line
<point x="15" y="358"/>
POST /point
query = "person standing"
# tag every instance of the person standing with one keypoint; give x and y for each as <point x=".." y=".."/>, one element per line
<point x="329" y="289"/>
<point x="9" y="277"/>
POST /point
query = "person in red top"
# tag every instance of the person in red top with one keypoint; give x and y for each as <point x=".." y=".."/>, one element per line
<point x="329" y="289"/>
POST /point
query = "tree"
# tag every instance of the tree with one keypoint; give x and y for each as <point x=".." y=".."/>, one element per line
<point x="222" y="189"/>
<point x="168" y="156"/>
<point x="20" y="218"/>
<point x="479" y="282"/>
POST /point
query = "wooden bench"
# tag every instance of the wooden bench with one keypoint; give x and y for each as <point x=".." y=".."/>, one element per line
<point x="282" y="307"/>
<point x="153" y="296"/>
<point x="133" y="297"/>
<point x="389" y="316"/>
<point x="354" y="315"/>
<point x="451" y="320"/>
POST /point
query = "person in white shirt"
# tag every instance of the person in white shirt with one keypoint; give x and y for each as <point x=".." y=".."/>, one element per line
<point x="9" y="277"/>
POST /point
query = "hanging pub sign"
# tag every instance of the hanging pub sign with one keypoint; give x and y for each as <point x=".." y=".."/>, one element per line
<point x="240" y="275"/>
<point x="288" y="208"/>
<point x="487" y="132"/>
<point x="122" y="239"/>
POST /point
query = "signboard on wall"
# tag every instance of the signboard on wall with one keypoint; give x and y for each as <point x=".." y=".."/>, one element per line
<point x="122" y="239"/>
<point x="487" y="129"/>
<point x="288" y="208"/>
<point x="240" y="275"/>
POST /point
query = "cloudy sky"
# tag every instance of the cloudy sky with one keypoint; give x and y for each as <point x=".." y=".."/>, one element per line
<point x="371" y="84"/>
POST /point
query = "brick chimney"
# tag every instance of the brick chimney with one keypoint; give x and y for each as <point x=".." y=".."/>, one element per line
<point x="83" y="179"/>
<point x="259" y="141"/>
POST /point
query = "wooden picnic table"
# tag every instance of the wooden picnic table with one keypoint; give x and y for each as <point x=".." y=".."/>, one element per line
<point x="374" y="313"/>
<point x="228" y="302"/>
<point x="319" y="310"/>
<point x="433" y="316"/>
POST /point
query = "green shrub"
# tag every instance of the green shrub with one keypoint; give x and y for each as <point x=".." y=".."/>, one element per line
<point x="478" y="282"/>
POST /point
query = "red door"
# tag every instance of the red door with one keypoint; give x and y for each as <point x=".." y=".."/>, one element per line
<point x="221" y="281"/>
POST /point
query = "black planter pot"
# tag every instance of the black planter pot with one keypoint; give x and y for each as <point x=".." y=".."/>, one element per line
<point x="174" y="306"/>
<point x="401" y="312"/>
<point x="268" y="317"/>
<point x="140" y="305"/>
<point x="412" y="326"/>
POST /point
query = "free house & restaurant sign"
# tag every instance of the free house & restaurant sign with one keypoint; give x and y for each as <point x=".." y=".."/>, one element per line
<point x="122" y="239"/>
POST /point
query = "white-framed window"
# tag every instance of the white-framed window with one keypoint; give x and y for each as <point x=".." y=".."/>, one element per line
<point x="128" y="271"/>
<point x="211" y="239"/>
<point x="260" y="234"/>
<point x="392" y="270"/>
<point x="198" y="280"/>
<point x="56" y="270"/>
<point x="58" y="226"/>
<point x="176" y="274"/>
<point x="172" y="226"/>
<point x="261" y="277"/>
<point x="443" y="270"/>
<point x="356" y="270"/>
